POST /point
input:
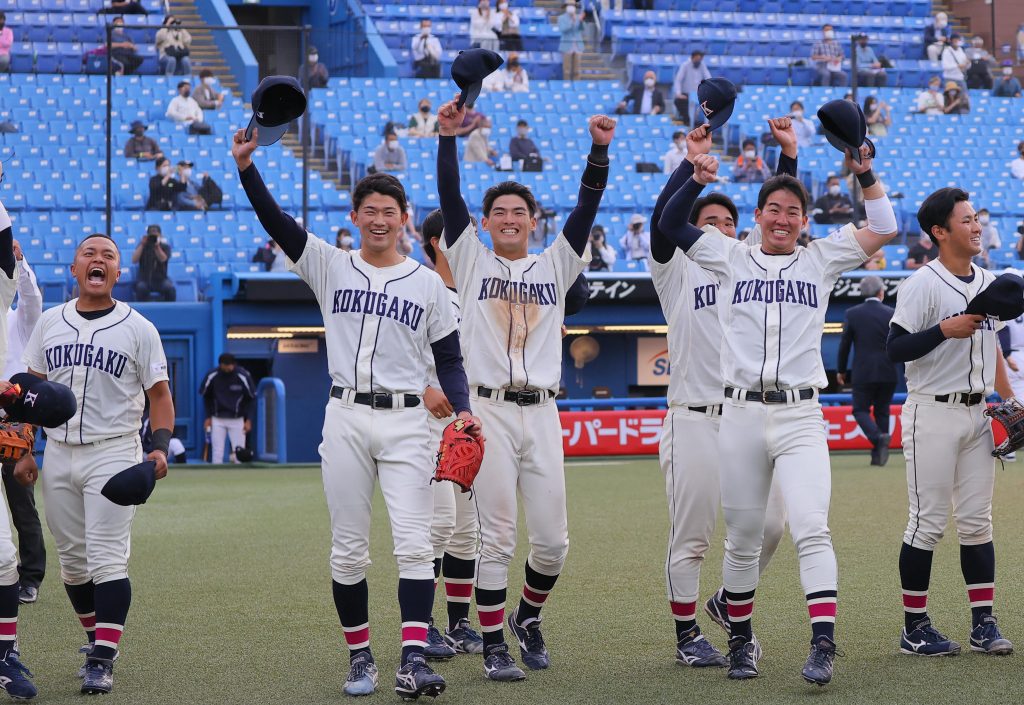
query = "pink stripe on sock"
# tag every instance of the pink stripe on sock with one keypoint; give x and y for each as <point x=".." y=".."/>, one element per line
<point x="538" y="597"/>
<point x="413" y="634"/>
<point x="684" y="610"/>
<point x="740" y="612"/>
<point x="360" y="636"/>
<point x="88" y="623"/>
<point x="981" y="595"/>
<point x="9" y="630"/>
<point x="108" y="634"/>
<point x="822" y="609"/>
<point x="491" y="618"/>
<point x="915" y="601"/>
<point x="458" y="589"/>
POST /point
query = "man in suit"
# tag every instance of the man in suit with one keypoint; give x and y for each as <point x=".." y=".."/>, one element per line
<point x="646" y="99"/>
<point x="874" y="377"/>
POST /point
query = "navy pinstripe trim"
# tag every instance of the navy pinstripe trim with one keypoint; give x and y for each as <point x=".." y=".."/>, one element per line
<point x="526" y="325"/>
<point x="508" y="340"/>
<point x="63" y="311"/>
<point x="764" y="342"/>
<point x="778" y="358"/>
<point x="380" y="321"/>
<point x="671" y="503"/>
<point x="970" y="355"/>
<point x="917" y="493"/>
<point x="85" y="385"/>
<point x="362" y="324"/>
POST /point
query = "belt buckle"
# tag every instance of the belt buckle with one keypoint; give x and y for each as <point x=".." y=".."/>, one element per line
<point x="528" y="397"/>
<point x="380" y="400"/>
<point x="768" y="398"/>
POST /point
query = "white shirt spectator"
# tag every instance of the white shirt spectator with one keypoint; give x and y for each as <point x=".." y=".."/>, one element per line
<point x="674" y="156"/>
<point x="22" y="320"/>
<point x="952" y="60"/>
<point x="504" y="80"/>
<point x="1017" y="168"/>
<point x="930" y="102"/>
<point x="422" y="46"/>
<point x="688" y="77"/>
<point x="805" y="131"/>
<point x="636" y="245"/>
<point x="184" y="110"/>
<point x="482" y="29"/>
<point x="990" y="239"/>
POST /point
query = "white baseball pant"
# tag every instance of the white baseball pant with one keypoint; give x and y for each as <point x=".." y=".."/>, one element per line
<point x="221" y="429"/>
<point x="454" y="528"/>
<point x="8" y="553"/>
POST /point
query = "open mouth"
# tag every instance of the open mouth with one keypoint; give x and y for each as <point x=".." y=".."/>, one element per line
<point x="379" y="232"/>
<point x="510" y="231"/>
<point x="96" y="275"/>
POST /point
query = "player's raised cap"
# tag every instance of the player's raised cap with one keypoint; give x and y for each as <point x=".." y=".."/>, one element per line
<point x="1003" y="298"/>
<point x="275" y="103"/>
<point x="845" y="127"/>
<point x="42" y="403"/>
<point x="131" y="486"/>
<point x="469" y="70"/>
<point x="717" y="97"/>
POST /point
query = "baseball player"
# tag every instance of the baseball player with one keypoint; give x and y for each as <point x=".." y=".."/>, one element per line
<point x="385" y="317"/>
<point x="112" y="359"/>
<point x="512" y="310"/>
<point x="31" y="547"/>
<point x="228" y="392"/>
<point x="689" y="441"/>
<point x="1012" y="341"/>
<point x="772" y="311"/>
<point x="953" y="363"/>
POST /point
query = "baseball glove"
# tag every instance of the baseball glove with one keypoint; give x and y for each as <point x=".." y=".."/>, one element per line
<point x="460" y="455"/>
<point x="16" y="439"/>
<point x="1010" y="415"/>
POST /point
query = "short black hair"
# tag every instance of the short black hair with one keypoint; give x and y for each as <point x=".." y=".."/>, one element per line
<point x="184" y="83"/>
<point x="343" y="231"/>
<point x="509" y="188"/>
<point x="832" y="176"/>
<point x="522" y="122"/>
<point x="226" y="359"/>
<point x="3" y="15"/>
<point x="796" y="102"/>
<point x="206" y="73"/>
<point x="384" y="184"/>
<point x="749" y="141"/>
<point x="1020" y="146"/>
<point x="160" y="161"/>
<point x="783" y="182"/>
<point x="714" y="199"/>
<point x="677" y="134"/>
<point x="431" y="227"/>
<point x="938" y="207"/>
<point x="102" y="235"/>
<point x="696" y="52"/>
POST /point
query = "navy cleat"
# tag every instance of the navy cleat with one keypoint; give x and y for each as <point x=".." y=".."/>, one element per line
<point x="87" y="649"/>
<point x="416" y="678"/>
<point x="99" y="676"/>
<point x="694" y="650"/>
<point x="437" y="648"/>
<point x="925" y="640"/>
<point x="819" y="666"/>
<point x="987" y="639"/>
<point x="718" y="611"/>
<point x="742" y="659"/>
<point x="362" y="675"/>
<point x="500" y="666"/>
<point x="463" y="639"/>
<point x="531" y="642"/>
<point x="14" y="678"/>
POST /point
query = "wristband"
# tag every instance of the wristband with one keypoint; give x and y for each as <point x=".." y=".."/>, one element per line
<point x="867" y="179"/>
<point x="599" y="153"/>
<point x="161" y="440"/>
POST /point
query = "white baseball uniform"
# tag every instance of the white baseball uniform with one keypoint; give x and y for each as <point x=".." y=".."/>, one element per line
<point x="22" y="320"/>
<point x="948" y="444"/>
<point x="108" y="362"/>
<point x="8" y="553"/>
<point x="772" y="310"/>
<point x="1016" y="329"/>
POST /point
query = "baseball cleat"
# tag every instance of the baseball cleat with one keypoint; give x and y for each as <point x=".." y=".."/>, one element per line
<point x="883" y="449"/>
<point x="718" y="611"/>
<point x="500" y="666"/>
<point x="437" y="649"/>
<point x="28" y="594"/>
<point x="818" y="668"/>
<point x="925" y="640"/>
<point x="464" y="639"/>
<point x="694" y="650"/>
<point x="362" y="675"/>
<point x="416" y="678"/>
<point x="986" y="638"/>
<point x="87" y="649"/>
<point x="99" y="676"/>
<point x="531" y="642"/>
<point x="742" y="659"/>
<point x="14" y="678"/>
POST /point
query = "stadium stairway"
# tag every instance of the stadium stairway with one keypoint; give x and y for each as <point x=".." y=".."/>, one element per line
<point x="204" y="53"/>
<point x="594" y="65"/>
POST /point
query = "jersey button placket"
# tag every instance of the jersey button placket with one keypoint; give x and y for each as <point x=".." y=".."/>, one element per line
<point x="773" y="325"/>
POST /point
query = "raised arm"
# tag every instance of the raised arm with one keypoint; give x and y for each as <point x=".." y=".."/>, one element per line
<point x="675" y="220"/>
<point x="785" y="134"/>
<point x="278" y="224"/>
<point x="449" y="192"/>
<point x="592" y="184"/>
<point x="698" y="141"/>
<point x="577" y="296"/>
<point x="882" y="226"/>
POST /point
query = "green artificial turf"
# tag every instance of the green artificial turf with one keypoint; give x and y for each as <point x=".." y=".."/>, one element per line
<point x="232" y="602"/>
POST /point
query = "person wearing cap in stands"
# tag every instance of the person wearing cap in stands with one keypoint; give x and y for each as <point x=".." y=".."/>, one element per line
<point x="955" y="62"/>
<point x="312" y="73"/>
<point x="189" y="199"/>
<point x="636" y="243"/>
<point x="956" y="99"/>
<point x="139" y="146"/>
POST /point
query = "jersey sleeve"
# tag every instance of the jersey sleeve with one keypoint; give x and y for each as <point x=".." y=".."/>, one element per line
<point x="839" y="252"/>
<point x="714" y="250"/>
<point x="33" y="355"/>
<point x="464" y="255"/>
<point x="667" y="277"/>
<point x="566" y="263"/>
<point x="441" y="320"/>
<point x="914" y="309"/>
<point x="150" y="357"/>
<point x="313" y="265"/>
<point x="8" y="289"/>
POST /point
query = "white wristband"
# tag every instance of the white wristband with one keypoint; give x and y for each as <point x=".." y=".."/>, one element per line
<point x="881" y="216"/>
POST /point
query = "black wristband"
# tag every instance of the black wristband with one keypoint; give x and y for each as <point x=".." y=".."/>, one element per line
<point x="867" y="179"/>
<point x="161" y="440"/>
<point x="598" y="153"/>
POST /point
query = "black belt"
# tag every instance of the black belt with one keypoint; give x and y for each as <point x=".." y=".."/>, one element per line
<point x="717" y="408"/>
<point x="772" y="397"/>
<point x="968" y="399"/>
<point x="376" y="400"/>
<point x="523" y="397"/>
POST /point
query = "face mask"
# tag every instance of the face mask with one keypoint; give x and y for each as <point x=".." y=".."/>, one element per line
<point x="425" y="31"/>
<point x="523" y="132"/>
<point x="570" y="11"/>
<point x="934" y="86"/>
<point x="164" y="170"/>
<point x="983" y="219"/>
<point x="485" y="131"/>
<point x="1007" y="72"/>
<point x="833" y="190"/>
<point x="680" y="144"/>
<point x="392" y="146"/>
<point x="424" y="109"/>
<point x="750" y="153"/>
<point x="940" y="23"/>
<point x="649" y="82"/>
<point x="503" y="6"/>
<point x="956" y="45"/>
<point x="313" y="58"/>
<point x="208" y="81"/>
<point x="186" y="173"/>
<point x="798" y="114"/>
<point x="829" y="34"/>
<point x="696" y="63"/>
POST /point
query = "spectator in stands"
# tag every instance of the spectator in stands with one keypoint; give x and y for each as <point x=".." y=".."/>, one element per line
<point x="922" y="253"/>
<point x="512" y="77"/>
<point x="954" y="61"/>
<point x="508" y="26"/>
<point x="389" y="155"/>
<point x="636" y="243"/>
<point x="803" y="127"/>
<point x="426" y="52"/>
<point x="833" y="207"/>
<point x="645" y="97"/>
<point x="189" y="199"/>
<point x="152" y="254"/>
<point x="484" y="26"/>
<point x="869" y="69"/>
<point x="1007" y="85"/>
<point x="184" y="110"/>
<point x="208" y="97"/>
<point x="343" y="240"/>
<point x="602" y="255"/>
<point x="478" y="146"/>
<point x="990" y="239"/>
<point x="688" y="77"/>
<point x="878" y="116"/>
<point x="124" y="7"/>
<point x="272" y="257"/>
<point x="122" y="50"/>
<point x="592" y="33"/>
<point x="936" y="36"/>
<point x="6" y="42"/>
<point x="163" y="187"/>
<point x="827" y="56"/>
<point x="570" y="25"/>
<point x="312" y="72"/>
<point x="423" y="123"/>
<point x="474" y="118"/>
<point x="139" y="146"/>
<point x="979" y="73"/>
<point x="749" y="167"/>
<point x="676" y="153"/>
<point x="521" y="146"/>
<point x="956" y="99"/>
<point x="1017" y="165"/>
<point x="173" y="45"/>
<point x="931" y="101"/>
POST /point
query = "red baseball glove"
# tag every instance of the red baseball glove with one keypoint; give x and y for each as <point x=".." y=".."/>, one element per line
<point x="460" y="455"/>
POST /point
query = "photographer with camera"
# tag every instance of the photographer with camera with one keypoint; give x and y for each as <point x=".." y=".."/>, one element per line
<point x="602" y="255"/>
<point x="152" y="255"/>
<point x="173" y="45"/>
<point x="636" y="243"/>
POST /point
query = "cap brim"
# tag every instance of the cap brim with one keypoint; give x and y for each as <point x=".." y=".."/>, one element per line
<point x="266" y="136"/>
<point x="843" y="146"/>
<point x="469" y="94"/>
<point x="721" y="118"/>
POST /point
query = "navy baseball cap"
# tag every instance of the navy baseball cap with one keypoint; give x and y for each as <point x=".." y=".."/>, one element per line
<point x="717" y="98"/>
<point x="1003" y="298"/>
<point x="275" y="103"/>
<point x="469" y="70"/>
<point x="131" y="486"/>
<point x="845" y="127"/>
<point x="42" y="403"/>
